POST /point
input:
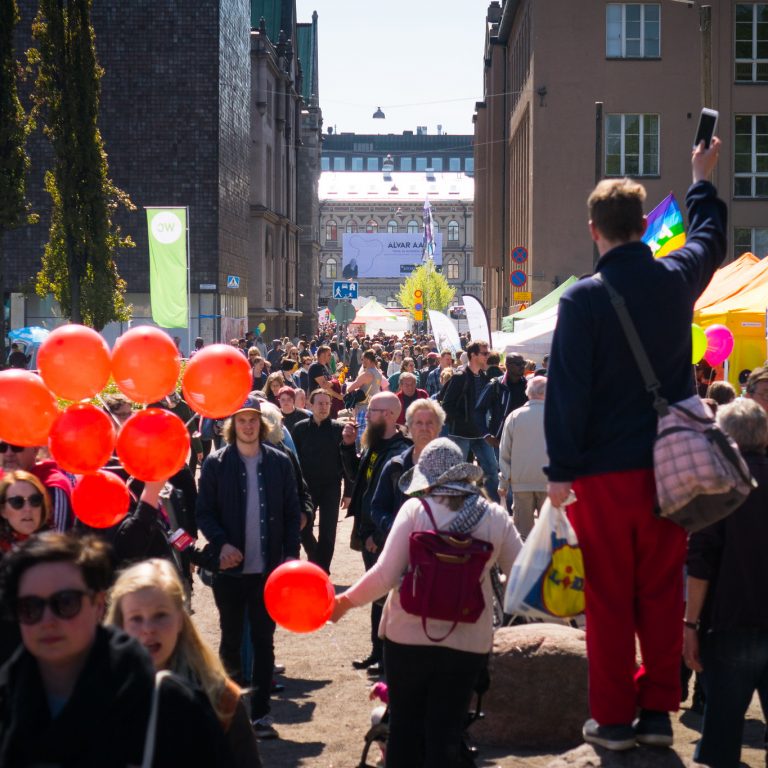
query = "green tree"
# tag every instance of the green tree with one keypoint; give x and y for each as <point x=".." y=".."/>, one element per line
<point x="435" y="291"/>
<point x="78" y="265"/>
<point x="14" y="129"/>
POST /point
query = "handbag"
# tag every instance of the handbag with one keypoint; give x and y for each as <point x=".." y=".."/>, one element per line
<point x="443" y="577"/>
<point x="700" y="475"/>
<point x="547" y="577"/>
<point x="354" y="398"/>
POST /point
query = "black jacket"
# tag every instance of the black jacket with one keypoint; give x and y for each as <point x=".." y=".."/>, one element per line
<point x="459" y="403"/>
<point x="221" y="503"/>
<point x="499" y="399"/>
<point x="104" y="722"/>
<point x="388" y="498"/>
<point x="318" y="448"/>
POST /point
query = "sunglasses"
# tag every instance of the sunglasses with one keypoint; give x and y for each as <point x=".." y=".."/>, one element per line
<point x="5" y="447"/>
<point x="17" y="502"/>
<point x="65" y="604"/>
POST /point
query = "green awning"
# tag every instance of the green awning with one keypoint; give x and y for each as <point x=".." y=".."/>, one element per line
<point x="549" y="301"/>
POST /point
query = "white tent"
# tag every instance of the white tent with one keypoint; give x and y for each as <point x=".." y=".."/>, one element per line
<point x="534" y="342"/>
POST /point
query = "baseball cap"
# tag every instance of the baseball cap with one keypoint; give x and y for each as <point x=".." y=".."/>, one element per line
<point x="433" y="356"/>
<point x="251" y="404"/>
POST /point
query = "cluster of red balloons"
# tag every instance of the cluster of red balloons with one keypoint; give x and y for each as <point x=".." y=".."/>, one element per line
<point x="299" y="596"/>
<point x="75" y="364"/>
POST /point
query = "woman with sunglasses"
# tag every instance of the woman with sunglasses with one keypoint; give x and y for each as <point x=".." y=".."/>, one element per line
<point x="78" y="693"/>
<point x="24" y="508"/>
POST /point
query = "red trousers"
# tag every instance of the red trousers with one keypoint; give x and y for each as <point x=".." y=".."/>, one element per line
<point x="633" y="564"/>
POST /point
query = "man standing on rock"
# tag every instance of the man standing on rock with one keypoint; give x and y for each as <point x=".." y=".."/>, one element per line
<point x="600" y="429"/>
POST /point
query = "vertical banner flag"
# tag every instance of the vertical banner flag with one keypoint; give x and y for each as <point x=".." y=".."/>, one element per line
<point x="477" y="318"/>
<point x="429" y="237"/>
<point x="666" y="231"/>
<point x="168" y="266"/>
<point x="445" y="332"/>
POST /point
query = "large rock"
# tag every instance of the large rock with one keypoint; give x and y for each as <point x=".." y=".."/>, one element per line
<point x="538" y="693"/>
<point x="587" y="756"/>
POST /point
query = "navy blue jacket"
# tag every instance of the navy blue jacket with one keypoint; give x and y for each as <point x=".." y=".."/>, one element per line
<point x="388" y="498"/>
<point x="598" y="416"/>
<point x="220" y="509"/>
<point x="499" y="399"/>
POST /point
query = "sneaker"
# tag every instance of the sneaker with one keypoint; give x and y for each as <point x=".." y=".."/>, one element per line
<point x="279" y="669"/>
<point x="653" y="728"/>
<point x="614" y="737"/>
<point x="263" y="728"/>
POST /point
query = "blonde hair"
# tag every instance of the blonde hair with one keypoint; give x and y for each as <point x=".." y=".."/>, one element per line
<point x="191" y="658"/>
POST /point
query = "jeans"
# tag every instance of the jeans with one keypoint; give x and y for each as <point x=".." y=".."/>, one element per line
<point x="486" y="458"/>
<point x="320" y="551"/>
<point x="236" y="597"/>
<point x="430" y="689"/>
<point x="735" y="666"/>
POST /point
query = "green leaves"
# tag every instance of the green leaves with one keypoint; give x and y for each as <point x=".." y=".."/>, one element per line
<point x="437" y="294"/>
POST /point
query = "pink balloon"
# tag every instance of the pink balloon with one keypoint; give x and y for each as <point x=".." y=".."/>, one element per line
<point x="719" y="344"/>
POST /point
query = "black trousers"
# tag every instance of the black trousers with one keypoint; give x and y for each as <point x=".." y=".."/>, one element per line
<point x="326" y="499"/>
<point x="430" y="690"/>
<point x="377" y="608"/>
<point x="236" y="597"/>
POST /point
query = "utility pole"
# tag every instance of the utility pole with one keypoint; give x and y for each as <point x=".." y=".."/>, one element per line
<point x="705" y="27"/>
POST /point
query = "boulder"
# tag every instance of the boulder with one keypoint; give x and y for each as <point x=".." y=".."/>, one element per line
<point x="538" y="693"/>
<point x="587" y="756"/>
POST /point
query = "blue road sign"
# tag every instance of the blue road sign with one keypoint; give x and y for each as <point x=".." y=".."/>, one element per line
<point x="233" y="281"/>
<point x="343" y="289"/>
<point x="520" y="255"/>
<point x="518" y="278"/>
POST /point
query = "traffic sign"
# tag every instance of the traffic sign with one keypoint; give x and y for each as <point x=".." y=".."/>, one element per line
<point x="233" y="281"/>
<point x="521" y="296"/>
<point x="518" y="278"/>
<point x="417" y="294"/>
<point x="344" y="289"/>
<point x="344" y="312"/>
<point x="520" y="255"/>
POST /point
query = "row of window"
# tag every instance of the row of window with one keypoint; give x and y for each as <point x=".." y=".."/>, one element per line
<point x="633" y="31"/>
<point x="373" y="163"/>
<point x="632" y="149"/>
<point x="450" y="269"/>
<point x="750" y="240"/>
<point x="412" y="228"/>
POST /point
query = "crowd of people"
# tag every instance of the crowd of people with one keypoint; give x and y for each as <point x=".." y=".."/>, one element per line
<point x="100" y="659"/>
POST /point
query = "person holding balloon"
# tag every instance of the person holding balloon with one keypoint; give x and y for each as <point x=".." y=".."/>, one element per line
<point x="248" y="509"/>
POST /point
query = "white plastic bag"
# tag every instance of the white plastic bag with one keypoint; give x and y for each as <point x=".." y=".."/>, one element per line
<point x="547" y="578"/>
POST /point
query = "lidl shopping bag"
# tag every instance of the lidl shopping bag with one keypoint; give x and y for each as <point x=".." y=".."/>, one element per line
<point x="547" y="578"/>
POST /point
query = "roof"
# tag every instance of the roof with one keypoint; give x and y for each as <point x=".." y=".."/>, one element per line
<point x="277" y="14"/>
<point x="363" y="185"/>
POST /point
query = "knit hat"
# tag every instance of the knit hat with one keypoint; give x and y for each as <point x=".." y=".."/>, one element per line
<point x="441" y="469"/>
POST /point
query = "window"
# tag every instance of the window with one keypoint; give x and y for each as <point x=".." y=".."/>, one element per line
<point x="632" y="145"/>
<point x="338" y="164"/>
<point x="453" y="230"/>
<point x="750" y="240"/>
<point x="469" y="165"/>
<point x="371" y="227"/>
<point x="325" y="163"/>
<point x="357" y="163"/>
<point x="751" y="156"/>
<point x="413" y="227"/>
<point x="351" y="226"/>
<point x="437" y="164"/>
<point x="452" y="270"/>
<point x="751" y="46"/>
<point x="406" y="163"/>
<point x="454" y="164"/>
<point x="331" y="232"/>
<point x="632" y="30"/>
<point x="372" y="163"/>
<point x="392" y="226"/>
<point x="421" y="163"/>
<point x="435" y="227"/>
<point x="330" y="269"/>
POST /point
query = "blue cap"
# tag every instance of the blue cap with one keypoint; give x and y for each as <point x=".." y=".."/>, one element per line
<point x="251" y="404"/>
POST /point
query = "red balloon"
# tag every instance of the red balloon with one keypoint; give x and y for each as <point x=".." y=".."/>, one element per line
<point x="299" y="596"/>
<point x="153" y="444"/>
<point x="101" y="500"/>
<point x="145" y="364"/>
<point x="82" y="439"/>
<point x="27" y="408"/>
<point x="216" y="381"/>
<point x="74" y="362"/>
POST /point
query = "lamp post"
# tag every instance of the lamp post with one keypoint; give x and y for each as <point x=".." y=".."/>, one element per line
<point x="705" y="28"/>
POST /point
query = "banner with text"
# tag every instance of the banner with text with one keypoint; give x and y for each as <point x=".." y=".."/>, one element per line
<point x="168" y="266"/>
<point x="389" y="254"/>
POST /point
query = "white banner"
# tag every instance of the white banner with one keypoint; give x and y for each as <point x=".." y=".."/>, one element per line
<point x="385" y="255"/>
<point x="445" y="332"/>
<point x="477" y="319"/>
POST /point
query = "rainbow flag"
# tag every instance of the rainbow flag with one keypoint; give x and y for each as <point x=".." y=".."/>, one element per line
<point x="666" y="231"/>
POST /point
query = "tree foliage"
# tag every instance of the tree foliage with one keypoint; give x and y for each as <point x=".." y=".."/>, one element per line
<point x="78" y="265"/>
<point x="437" y="294"/>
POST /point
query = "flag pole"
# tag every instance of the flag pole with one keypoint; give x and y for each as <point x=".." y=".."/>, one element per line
<point x="189" y="289"/>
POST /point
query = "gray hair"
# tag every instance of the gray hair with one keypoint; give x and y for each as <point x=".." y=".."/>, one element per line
<point x="422" y="405"/>
<point x="536" y="388"/>
<point x="406" y="375"/>
<point x="746" y="422"/>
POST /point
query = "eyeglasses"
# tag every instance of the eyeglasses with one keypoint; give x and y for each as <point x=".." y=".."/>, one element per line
<point x="17" y="502"/>
<point x="485" y="353"/>
<point x="5" y="447"/>
<point x="65" y="604"/>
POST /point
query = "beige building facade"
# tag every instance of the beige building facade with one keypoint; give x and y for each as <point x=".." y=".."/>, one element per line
<point x="574" y="91"/>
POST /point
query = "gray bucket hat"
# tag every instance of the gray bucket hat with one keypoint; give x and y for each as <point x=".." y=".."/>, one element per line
<point x="441" y="469"/>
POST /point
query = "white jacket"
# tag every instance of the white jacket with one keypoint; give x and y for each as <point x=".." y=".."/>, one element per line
<point x="523" y="450"/>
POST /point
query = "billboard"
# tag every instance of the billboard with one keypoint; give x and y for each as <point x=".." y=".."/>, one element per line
<point x="390" y="254"/>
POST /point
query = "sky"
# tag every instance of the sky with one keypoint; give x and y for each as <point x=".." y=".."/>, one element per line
<point x="421" y="61"/>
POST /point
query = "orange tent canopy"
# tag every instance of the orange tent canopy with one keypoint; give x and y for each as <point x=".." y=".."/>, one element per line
<point x="729" y="280"/>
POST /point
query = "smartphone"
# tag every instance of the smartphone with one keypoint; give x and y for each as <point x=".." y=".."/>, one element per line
<point x="706" y="128"/>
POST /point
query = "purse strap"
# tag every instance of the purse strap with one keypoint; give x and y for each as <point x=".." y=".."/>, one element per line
<point x="652" y="385"/>
<point x="149" y="739"/>
<point x="428" y="509"/>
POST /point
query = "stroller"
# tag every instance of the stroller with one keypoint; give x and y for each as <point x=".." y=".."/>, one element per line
<point x="379" y="731"/>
